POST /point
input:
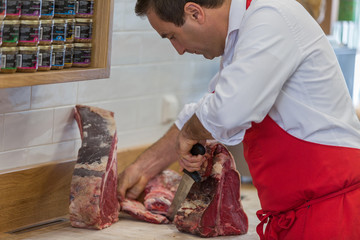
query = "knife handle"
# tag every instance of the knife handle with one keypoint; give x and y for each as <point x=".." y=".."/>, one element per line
<point x="196" y="150"/>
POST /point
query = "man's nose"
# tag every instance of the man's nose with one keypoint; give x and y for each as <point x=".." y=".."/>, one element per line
<point x="179" y="48"/>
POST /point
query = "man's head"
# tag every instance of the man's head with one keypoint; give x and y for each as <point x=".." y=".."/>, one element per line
<point x="171" y="10"/>
<point x="198" y="26"/>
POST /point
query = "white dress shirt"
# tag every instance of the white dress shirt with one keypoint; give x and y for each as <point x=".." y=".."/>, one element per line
<point x="277" y="61"/>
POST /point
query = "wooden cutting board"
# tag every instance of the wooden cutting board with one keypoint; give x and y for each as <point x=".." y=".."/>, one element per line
<point x="130" y="229"/>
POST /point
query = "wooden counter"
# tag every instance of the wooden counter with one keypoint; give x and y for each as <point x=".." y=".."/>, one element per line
<point x="129" y="229"/>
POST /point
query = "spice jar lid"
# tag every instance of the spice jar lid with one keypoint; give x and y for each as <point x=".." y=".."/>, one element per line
<point x="83" y="20"/>
<point x="9" y="49"/>
<point x="82" y="44"/>
<point x="28" y="48"/>
<point x="29" y="22"/>
<point x="45" y="47"/>
<point x="46" y="21"/>
<point x="59" y="20"/>
<point x="11" y="22"/>
<point x="57" y="47"/>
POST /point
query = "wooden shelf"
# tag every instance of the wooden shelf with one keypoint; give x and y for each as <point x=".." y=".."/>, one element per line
<point x="100" y="59"/>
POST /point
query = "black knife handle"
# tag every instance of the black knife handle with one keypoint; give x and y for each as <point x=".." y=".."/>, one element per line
<point x="196" y="150"/>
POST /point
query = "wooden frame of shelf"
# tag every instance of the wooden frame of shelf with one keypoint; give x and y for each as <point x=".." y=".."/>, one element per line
<point x="100" y="59"/>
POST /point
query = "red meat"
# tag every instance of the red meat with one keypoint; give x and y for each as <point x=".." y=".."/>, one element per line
<point x="213" y="207"/>
<point x="93" y="200"/>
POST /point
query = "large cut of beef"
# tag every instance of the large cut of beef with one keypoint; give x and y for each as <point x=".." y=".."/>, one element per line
<point x="213" y="207"/>
<point x="158" y="195"/>
<point x="93" y="198"/>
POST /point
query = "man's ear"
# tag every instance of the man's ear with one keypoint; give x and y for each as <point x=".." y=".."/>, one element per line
<point x="194" y="11"/>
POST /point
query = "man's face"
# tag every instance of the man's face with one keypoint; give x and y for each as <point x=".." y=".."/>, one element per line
<point x="191" y="37"/>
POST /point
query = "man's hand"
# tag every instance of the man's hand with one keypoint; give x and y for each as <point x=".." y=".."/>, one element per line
<point x="131" y="182"/>
<point x="193" y="132"/>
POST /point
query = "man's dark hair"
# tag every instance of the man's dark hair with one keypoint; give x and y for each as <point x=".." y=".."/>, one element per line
<point x="171" y="10"/>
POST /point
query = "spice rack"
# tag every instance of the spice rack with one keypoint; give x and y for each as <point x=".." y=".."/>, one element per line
<point x="100" y="58"/>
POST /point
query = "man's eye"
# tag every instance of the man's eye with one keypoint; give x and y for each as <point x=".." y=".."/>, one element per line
<point x="171" y="38"/>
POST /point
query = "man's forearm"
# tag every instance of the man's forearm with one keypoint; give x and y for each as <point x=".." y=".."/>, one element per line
<point x="193" y="129"/>
<point x="160" y="155"/>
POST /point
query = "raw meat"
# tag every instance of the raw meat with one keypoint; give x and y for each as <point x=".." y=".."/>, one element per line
<point x="93" y="198"/>
<point x="213" y="207"/>
<point x="158" y="195"/>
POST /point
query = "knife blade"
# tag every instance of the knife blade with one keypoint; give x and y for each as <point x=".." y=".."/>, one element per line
<point x="186" y="183"/>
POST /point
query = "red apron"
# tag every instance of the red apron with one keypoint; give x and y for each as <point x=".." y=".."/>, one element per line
<point x="307" y="191"/>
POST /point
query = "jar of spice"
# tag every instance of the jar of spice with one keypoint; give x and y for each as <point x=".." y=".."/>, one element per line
<point x="2" y="9"/>
<point x="58" y="57"/>
<point x="59" y="34"/>
<point x="29" y="32"/>
<point x="45" y="56"/>
<point x="83" y="30"/>
<point x="30" y="10"/>
<point x="27" y="59"/>
<point x="47" y="9"/>
<point x="46" y="32"/>
<point x="70" y="30"/>
<point x="65" y="9"/>
<point x="82" y="55"/>
<point x="13" y="10"/>
<point x="8" y="59"/>
<point x="84" y="8"/>
<point x="1" y="31"/>
<point x="69" y="51"/>
<point x="10" y="33"/>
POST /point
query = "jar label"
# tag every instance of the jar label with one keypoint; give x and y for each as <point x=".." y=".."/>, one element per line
<point x="44" y="59"/>
<point x="2" y="7"/>
<point x="58" y="59"/>
<point x="59" y="33"/>
<point x="65" y="7"/>
<point x="69" y="55"/>
<point x="46" y="33"/>
<point x="31" y="7"/>
<point x="11" y="33"/>
<point x="83" y="31"/>
<point x="70" y="29"/>
<point x="47" y="8"/>
<point x="27" y="61"/>
<point x="82" y="56"/>
<point x="84" y="7"/>
<point x="13" y="8"/>
<point x="8" y="61"/>
<point x="29" y="34"/>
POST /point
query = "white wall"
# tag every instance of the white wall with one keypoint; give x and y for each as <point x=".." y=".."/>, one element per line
<point x="37" y="125"/>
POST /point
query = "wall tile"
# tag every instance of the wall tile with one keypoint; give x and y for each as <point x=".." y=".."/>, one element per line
<point x="65" y="126"/>
<point x="53" y="95"/>
<point x="52" y="152"/>
<point x="2" y="132"/>
<point x="149" y="112"/>
<point x="14" y="99"/>
<point x="126" y="48"/>
<point x="156" y="49"/>
<point x="26" y="129"/>
<point x="141" y="137"/>
<point x="13" y="159"/>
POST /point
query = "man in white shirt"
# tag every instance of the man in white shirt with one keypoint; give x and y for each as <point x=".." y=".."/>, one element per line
<point x="281" y="92"/>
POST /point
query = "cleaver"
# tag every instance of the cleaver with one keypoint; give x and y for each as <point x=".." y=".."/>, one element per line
<point x="186" y="183"/>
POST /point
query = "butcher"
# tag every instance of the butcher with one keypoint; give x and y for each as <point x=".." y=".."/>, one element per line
<point x="279" y="91"/>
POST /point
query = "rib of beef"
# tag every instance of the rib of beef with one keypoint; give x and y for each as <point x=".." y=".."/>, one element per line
<point x="213" y="207"/>
<point x="93" y="200"/>
<point x="158" y="195"/>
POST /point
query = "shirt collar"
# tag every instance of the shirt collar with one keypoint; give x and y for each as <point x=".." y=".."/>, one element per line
<point x="237" y="11"/>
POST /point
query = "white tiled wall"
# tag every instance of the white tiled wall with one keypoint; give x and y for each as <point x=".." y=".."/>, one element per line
<point x="37" y="124"/>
